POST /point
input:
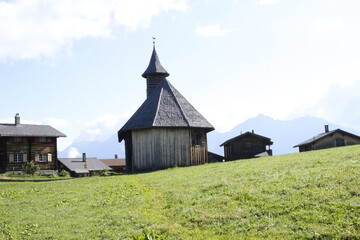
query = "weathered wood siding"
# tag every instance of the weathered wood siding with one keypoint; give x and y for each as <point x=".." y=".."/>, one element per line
<point x="30" y="148"/>
<point x="159" y="148"/>
<point x="199" y="153"/>
<point x="330" y="142"/>
<point x="2" y="155"/>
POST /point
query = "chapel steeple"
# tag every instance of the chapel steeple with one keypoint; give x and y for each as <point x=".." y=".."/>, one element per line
<point x="154" y="73"/>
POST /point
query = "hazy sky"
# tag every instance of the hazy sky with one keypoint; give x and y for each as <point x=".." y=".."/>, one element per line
<point x="77" y="65"/>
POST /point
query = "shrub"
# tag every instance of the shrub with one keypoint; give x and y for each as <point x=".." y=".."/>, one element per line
<point x="104" y="172"/>
<point x="64" y="173"/>
<point x="30" y="168"/>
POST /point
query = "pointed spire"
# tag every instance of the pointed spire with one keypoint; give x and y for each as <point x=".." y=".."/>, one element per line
<point x="154" y="73"/>
<point x="155" y="68"/>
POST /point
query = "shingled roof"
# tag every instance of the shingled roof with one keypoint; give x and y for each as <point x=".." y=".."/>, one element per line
<point x="155" y="67"/>
<point x="268" y="140"/>
<point x="77" y="165"/>
<point x="29" y="130"/>
<point x="165" y="107"/>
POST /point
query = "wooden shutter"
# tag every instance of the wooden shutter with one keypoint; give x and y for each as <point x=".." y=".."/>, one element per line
<point x="25" y="157"/>
<point x="49" y="157"/>
<point x="11" y="157"/>
<point x="37" y="157"/>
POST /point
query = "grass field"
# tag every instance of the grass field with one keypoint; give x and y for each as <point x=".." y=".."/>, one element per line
<point x="313" y="195"/>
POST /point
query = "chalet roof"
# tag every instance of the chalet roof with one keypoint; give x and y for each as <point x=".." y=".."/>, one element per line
<point x="323" y="135"/>
<point x="155" y="67"/>
<point x="114" y="162"/>
<point x="268" y="140"/>
<point x="165" y="107"/>
<point x="29" y="130"/>
<point x="77" y="165"/>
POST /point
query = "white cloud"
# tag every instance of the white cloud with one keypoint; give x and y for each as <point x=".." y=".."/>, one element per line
<point x="107" y="120"/>
<point x="41" y="28"/>
<point x="340" y="105"/>
<point x="214" y="30"/>
<point x="103" y="127"/>
<point x="134" y="13"/>
<point x="94" y="132"/>
<point x="328" y="24"/>
<point x="266" y="2"/>
<point x="74" y="153"/>
<point x="22" y="121"/>
<point x="55" y="122"/>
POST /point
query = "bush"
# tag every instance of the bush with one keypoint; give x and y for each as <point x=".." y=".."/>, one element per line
<point x="64" y="173"/>
<point x="30" y="168"/>
<point x="104" y="172"/>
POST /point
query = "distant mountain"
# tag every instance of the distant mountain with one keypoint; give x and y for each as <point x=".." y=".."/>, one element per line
<point x="284" y="134"/>
<point x="105" y="149"/>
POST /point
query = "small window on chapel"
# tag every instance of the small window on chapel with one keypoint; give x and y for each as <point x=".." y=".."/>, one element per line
<point x="42" y="139"/>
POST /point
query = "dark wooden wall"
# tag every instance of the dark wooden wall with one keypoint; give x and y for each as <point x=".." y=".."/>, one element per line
<point x="246" y="147"/>
<point x="30" y="148"/>
<point x="160" y="148"/>
<point x="2" y="154"/>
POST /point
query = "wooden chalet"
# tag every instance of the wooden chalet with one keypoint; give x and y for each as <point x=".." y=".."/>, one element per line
<point x="166" y="131"/>
<point x="20" y="143"/>
<point x="329" y="139"/>
<point x="247" y="145"/>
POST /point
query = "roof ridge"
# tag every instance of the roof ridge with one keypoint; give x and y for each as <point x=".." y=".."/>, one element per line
<point x="177" y="103"/>
<point x="158" y="106"/>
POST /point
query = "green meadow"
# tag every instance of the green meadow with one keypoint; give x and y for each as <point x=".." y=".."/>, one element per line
<point x="312" y="195"/>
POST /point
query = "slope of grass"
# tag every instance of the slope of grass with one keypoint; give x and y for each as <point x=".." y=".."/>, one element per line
<point x="313" y="195"/>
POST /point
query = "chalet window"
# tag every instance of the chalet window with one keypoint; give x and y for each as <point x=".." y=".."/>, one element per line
<point x="18" y="157"/>
<point x="18" y="139"/>
<point x="42" y="157"/>
<point x="339" y="142"/>
<point x="42" y="139"/>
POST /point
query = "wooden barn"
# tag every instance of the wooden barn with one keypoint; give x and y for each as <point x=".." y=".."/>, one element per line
<point x="329" y="139"/>
<point x="247" y="145"/>
<point x="20" y="143"/>
<point x="166" y="131"/>
<point x="117" y="164"/>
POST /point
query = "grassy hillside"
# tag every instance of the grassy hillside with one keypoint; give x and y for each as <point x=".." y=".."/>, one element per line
<point x="312" y="195"/>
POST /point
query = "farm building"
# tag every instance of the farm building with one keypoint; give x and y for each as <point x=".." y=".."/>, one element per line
<point x="247" y="145"/>
<point x="166" y="131"/>
<point x="20" y="143"/>
<point x="83" y="167"/>
<point x="213" y="157"/>
<point x="329" y="139"/>
<point x="117" y="164"/>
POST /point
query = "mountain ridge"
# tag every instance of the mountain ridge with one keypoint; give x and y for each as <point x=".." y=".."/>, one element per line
<point x="284" y="133"/>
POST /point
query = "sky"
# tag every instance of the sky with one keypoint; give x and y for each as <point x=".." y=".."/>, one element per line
<point x="77" y="65"/>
